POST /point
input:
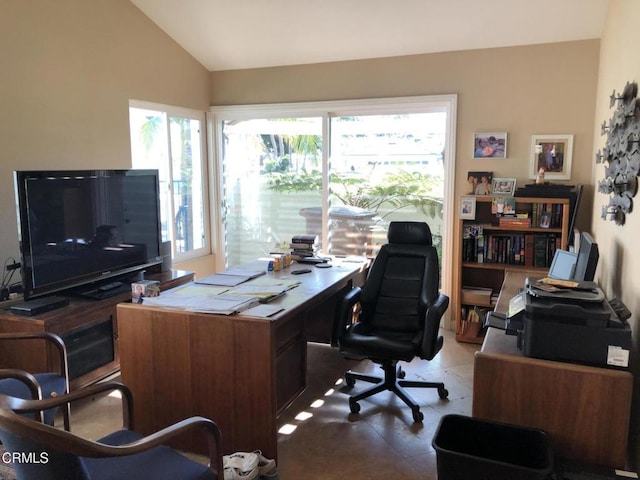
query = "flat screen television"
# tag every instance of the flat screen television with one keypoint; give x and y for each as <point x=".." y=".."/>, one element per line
<point x="587" y="260"/>
<point x="80" y="228"/>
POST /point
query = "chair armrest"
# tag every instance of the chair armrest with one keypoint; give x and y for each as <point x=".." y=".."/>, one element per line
<point x="49" y="337"/>
<point x="20" y="405"/>
<point x="29" y="380"/>
<point x="344" y="314"/>
<point x="431" y="326"/>
<point x="75" y="445"/>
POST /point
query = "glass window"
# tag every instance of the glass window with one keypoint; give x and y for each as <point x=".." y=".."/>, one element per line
<point x="271" y="176"/>
<point x="172" y="141"/>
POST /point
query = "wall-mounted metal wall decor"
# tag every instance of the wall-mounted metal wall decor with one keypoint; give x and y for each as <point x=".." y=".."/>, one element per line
<point x="621" y="154"/>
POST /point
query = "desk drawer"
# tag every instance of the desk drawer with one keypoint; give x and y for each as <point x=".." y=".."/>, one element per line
<point x="291" y="365"/>
<point x="288" y="332"/>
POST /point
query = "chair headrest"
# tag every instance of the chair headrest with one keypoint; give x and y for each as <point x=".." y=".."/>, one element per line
<point x="413" y="233"/>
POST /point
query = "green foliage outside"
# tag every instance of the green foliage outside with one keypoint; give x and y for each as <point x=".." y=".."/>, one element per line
<point x="395" y="190"/>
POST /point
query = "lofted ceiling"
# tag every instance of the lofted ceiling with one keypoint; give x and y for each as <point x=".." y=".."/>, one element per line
<point x="240" y="34"/>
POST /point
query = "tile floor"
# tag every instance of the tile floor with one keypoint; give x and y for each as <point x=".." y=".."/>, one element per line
<point x="329" y="442"/>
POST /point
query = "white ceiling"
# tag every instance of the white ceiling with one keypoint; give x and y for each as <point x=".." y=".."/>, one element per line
<point x="239" y="34"/>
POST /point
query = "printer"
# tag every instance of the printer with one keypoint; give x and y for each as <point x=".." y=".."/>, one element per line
<point x="574" y="322"/>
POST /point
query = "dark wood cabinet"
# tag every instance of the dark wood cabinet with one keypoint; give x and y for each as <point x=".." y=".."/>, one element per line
<point x="89" y="329"/>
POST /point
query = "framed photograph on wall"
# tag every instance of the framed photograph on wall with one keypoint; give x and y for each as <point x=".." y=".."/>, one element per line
<point x="503" y="186"/>
<point x="552" y="153"/>
<point x="490" y="145"/>
<point x="468" y="207"/>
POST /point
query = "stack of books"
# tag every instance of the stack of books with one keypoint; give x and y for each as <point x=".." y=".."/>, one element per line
<point x="304" y="246"/>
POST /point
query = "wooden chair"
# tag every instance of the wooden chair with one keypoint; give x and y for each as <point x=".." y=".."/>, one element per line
<point x="50" y="384"/>
<point x="122" y="454"/>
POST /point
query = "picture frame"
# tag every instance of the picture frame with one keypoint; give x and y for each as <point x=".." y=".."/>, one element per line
<point x="545" y="219"/>
<point x="553" y="153"/>
<point x="490" y="145"/>
<point x="503" y="186"/>
<point x="479" y="183"/>
<point x="468" y="207"/>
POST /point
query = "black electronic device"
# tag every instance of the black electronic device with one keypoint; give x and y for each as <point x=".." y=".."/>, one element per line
<point x="312" y="260"/>
<point x="39" y="305"/>
<point x="587" y="260"/>
<point x="301" y="271"/>
<point x="81" y="229"/>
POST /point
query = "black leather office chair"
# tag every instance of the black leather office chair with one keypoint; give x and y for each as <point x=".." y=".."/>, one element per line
<point x="399" y="315"/>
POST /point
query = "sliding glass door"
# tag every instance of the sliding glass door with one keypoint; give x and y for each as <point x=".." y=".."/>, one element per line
<point x="338" y="170"/>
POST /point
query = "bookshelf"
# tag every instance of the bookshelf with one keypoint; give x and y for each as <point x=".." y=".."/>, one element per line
<point x="489" y="245"/>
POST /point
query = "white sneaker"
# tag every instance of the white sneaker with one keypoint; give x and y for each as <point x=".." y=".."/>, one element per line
<point x="241" y="466"/>
<point x="265" y="465"/>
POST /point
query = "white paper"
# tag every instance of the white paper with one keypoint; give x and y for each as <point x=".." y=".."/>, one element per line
<point x="263" y="310"/>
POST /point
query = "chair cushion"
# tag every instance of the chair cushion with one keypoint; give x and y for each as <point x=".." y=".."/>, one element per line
<point x="376" y="344"/>
<point x="159" y="463"/>
<point x="49" y="383"/>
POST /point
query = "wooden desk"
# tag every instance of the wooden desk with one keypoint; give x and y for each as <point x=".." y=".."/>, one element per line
<point x="585" y="410"/>
<point x="240" y="371"/>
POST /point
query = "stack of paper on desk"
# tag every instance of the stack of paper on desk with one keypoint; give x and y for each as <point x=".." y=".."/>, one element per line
<point x="231" y="277"/>
<point x="224" y="304"/>
<point x="199" y="300"/>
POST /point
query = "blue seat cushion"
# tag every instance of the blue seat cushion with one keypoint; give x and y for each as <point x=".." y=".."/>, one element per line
<point x="49" y="383"/>
<point x="158" y="463"/>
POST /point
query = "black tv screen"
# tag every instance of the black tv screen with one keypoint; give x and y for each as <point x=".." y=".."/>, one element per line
<point x="80" y="227"/>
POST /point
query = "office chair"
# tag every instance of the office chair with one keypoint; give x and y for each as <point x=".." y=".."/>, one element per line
<point x="120" y="455"/>
<point x="399" y="315"/>
<point x="34" y="386"/>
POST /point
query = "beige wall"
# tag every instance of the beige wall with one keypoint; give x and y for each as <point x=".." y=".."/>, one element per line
<point x="619" y="265"/>
<point x="68" y="70"/>
<point x="542" y="89"/>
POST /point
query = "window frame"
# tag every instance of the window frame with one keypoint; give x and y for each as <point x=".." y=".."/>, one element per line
<point x="201" y="116"/>
<point x="328" y="109"/>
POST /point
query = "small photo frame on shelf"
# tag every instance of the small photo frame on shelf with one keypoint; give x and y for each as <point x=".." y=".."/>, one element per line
<point x="479" y="183"/>
<point x="503" y="186"/>
<point x="468" y="207"/>
<point x="503" y="205"/>
<point x="545" y="219"/>
<point x="490" y="145"/>
<point x="551" y="153"/>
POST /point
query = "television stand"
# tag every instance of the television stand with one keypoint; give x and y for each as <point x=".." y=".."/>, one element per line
<point x="103" y="291"/>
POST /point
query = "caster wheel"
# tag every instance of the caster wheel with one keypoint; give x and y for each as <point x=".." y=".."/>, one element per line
<point x="354" y="407"/>
<point x="443" y="393"/>
<point x="418" y="416"/>
<point x="401" y="373"/>
<point x="350" y="381"/>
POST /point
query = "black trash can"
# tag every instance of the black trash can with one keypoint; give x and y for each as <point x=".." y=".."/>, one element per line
<point x="469" y="447"/>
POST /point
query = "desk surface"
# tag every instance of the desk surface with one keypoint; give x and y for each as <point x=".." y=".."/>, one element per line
<point x="585" y="410"/>
<point x="240" y="371"/>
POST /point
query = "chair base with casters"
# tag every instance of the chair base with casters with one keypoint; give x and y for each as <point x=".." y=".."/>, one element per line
<point x="394" y="382"/>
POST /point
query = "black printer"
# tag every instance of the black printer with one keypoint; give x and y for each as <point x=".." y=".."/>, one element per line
<point x="577" y="325"/>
